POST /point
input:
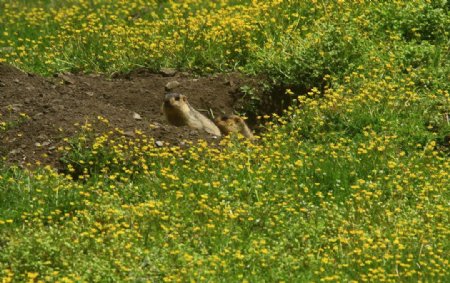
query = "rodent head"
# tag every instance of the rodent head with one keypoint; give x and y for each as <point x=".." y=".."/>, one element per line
<point x="174" y="100"/>
<point x="229" y="124"/>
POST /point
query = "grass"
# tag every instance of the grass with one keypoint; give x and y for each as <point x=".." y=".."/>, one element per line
<point x="351" y="183"/>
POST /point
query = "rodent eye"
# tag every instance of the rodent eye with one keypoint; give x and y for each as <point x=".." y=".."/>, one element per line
<point x="177" y="98"/>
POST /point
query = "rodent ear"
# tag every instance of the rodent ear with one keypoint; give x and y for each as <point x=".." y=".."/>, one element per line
<point x="183" y="98"/>
<point x="237" y="119"/>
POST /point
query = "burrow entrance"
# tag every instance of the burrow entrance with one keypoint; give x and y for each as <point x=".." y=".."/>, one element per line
<point x="37" y="113"/>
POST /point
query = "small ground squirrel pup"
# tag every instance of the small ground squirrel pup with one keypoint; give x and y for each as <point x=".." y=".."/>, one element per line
<point x="179" y="112"/>
<point x="233" y="124"/>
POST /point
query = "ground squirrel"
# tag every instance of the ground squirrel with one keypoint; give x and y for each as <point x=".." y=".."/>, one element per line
<point x="179" y="112"/>
<point x="233" y="124"/>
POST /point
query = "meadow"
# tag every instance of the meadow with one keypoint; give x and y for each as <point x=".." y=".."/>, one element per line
<point x="350" y="183"/>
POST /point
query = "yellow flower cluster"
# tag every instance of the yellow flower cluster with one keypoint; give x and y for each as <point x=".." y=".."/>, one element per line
<point x="99" y="35"/>
<point x="111" y="35"/>
<point x="313" y="198"/>
<point x="350" y="184"/>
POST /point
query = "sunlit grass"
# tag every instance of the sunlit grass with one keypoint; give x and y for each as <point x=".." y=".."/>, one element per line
<point x="313" y="199"/>
<point x="351" y="183"/>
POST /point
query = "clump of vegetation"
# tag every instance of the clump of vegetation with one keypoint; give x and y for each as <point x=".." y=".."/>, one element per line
<point x="11" y="119"/>
<point x="350" y="183"/>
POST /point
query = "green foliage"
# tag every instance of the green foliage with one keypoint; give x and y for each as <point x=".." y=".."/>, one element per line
<point x="42" y="196"/>
<point x="350" y="183"/>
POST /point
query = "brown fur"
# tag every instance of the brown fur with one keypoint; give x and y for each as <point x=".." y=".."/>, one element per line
<point x="233" y="124"/>
<point x="179" y="113"/>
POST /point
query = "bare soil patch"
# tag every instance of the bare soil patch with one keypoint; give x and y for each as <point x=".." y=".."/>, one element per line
<point x="55" y="105"/>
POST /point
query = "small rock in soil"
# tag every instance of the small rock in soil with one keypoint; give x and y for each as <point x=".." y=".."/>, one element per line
<point x="66" y="79"/>
<point x="168" y="72"/>
<point x="193" y="133"/>
<point x="136" y="116"/>
<point x="16" y="151"/>
<point x="38" y="116"/>
<point x="90" y="93"/>
<point x="16" y="81"/>
<point x="154" y="126"/>
<point x="159" y="143"/>
<point x="15" y="107"/>
<point x="130" y="134"/>
<point x="57" y="108"/>
<point x="42" y="136"/>
<point x="230" y="83"/>
<point x="106" y="95"/>
<point x="46" y="143"/>
<point x="172" y="85"/>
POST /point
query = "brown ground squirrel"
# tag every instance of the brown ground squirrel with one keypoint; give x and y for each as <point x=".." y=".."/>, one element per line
<point x="179" y="112"/>
<point x="233" y="124"/>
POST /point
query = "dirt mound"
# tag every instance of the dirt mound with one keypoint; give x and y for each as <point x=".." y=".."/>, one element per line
<point x="40" y="112"/>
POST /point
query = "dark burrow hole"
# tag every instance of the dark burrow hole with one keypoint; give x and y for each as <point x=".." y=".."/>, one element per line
<point x="259" y="101"/>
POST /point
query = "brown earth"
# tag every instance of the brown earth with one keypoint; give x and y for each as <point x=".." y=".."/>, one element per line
<point x="54" y="105"/>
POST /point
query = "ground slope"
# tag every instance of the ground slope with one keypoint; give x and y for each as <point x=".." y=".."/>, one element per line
<point x="39" y="112"/>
